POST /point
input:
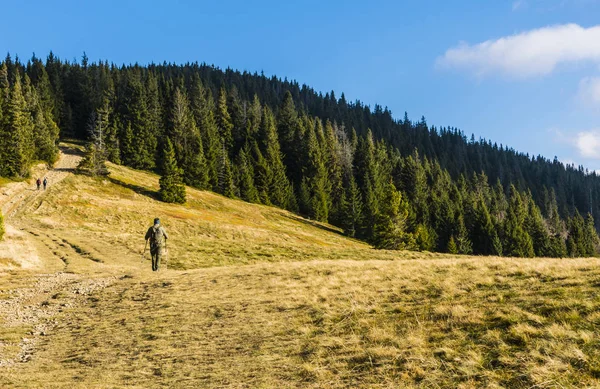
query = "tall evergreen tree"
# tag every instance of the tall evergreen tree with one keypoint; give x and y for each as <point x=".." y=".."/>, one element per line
<point x="96" y="154"/>
<point x="224" y="123"/>
<point x="245" y="177"/>
<point x="225" y="186"/>
<point x="172" y="189"/>
<point x="278" y="188"/>
<point x="18" y="143"/>
<point x="390" y="228"/>
<point x="202" y="105"/>
<point x="351" y="208"/>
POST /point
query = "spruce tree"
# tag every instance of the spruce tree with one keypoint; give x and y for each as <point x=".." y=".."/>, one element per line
<point x="389" y="231"/>
<point x="288" y="129"/>
<point x="536" y="228"/>
<point x="483" y="233"/>
<point x="278" y="188"/>
<point x="238" y="111"/>
<point x="172" y="189"/>
<point x="155" y="112"/>
<point x="463" y="242"/>
<point x="333" y="155"/>
<point x="202" y="106"/>
<point x="452" y="248"/>
<point x="18" y="142"/>
<point x="225" y="186"/>
<point x="224" y="123"/>
<point x="352" y="208"/>
<point x="517" y="241"/>
<point x="143" y="139"/>
<point x="245" y="177"/>
<point x="315" y="180"/>
<point x="94" y="160"/>
<point x="189" y="150"/>
<point x="196" y="172"/>
<point x="590" y="237"/>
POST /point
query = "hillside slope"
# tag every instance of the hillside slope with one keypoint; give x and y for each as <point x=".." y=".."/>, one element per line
<point x="257" y="297"/>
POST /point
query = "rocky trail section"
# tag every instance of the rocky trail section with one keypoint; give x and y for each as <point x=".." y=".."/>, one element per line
<point x="36" y="308"/>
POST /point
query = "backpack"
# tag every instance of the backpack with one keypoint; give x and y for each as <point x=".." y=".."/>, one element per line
<point x="157" y="237"/>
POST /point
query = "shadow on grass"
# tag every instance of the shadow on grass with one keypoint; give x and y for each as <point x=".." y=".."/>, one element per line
<point x="136" y="188"/>
<point x="314" y="224"/>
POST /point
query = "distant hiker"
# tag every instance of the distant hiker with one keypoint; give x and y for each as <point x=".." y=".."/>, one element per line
<point x="38" y="182"/>
<point x="158" y="243"/>
<point x="45" y="182"/>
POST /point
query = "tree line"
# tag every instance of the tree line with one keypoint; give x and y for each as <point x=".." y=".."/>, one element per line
<point x="394" y="183"/>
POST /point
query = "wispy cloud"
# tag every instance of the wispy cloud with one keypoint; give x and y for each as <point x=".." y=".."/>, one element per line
<point x="589" y="92"/>
<point x="518" y="4"/>
<point x="528" y="54"/>
<point x="588" y="144"/>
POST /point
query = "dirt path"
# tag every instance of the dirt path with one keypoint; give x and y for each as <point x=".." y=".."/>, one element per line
<point x="20" y="250"/>
<point x="35" y="306"/>
<point x="18" y="196"/>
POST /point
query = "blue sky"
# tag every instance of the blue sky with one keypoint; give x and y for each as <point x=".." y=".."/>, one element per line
<point x="524" y="73"/>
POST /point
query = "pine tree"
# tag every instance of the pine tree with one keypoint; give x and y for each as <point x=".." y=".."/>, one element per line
<point x="225" y="186"/>
<point x="333" y="155"/>
<point x="463" y="242"/>
<point x="536" y="228"/>
<point x="18" y="144"/>
<point x="196" y="172"/>
<point x="94" y="161"/>
<point x="189" y="150"/>
<point x="452" y="248"/>
<point x="278" y="188"/>
<point x="224" y="123"/>
<point x="517" y="241"/>
<point x="315" y="181"/>
<point x="389" y="231"/>
<point x="143" y="140"/>
<point x="238" y="111"/>
<point x="414" y="183"/>
<point x="288" y="129"/>
<point x="590" y="237"/>
<point x="352" y="208"/>
<point x="172" y="189"/>
<point x="245" y="177"/>
<point x="425" y="238"/>
<point x="202" y="106"/>
<point x="483" y="233"/>
<point x="254" y="118"/>
<point x="155" y="112"/>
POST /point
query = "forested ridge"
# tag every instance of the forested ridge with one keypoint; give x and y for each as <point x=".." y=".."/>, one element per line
<point x="395" y="183"/>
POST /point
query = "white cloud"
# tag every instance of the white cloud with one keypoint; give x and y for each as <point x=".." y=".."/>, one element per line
<point x="588" y="144"/>
<point x="531" y="53"/>
<point x="589" y="91"/>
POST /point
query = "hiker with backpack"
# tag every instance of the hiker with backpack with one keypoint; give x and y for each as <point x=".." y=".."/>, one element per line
<point x="158" y="243"/>
<point x="45" y="182"/>
<point x="39" y="183"/>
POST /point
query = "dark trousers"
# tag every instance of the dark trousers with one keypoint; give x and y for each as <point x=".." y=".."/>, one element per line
<point x="157" y="254"/>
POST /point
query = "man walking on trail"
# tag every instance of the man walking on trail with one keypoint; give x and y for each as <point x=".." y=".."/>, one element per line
<point x="158" y="243"/>
<point x="45" y="182"/>
<point x="38" y="182"/>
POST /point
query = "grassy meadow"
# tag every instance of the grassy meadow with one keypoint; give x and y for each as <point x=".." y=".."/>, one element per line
<point x="256" y="297"/>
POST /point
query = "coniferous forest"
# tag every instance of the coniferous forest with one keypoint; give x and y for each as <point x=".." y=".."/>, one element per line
<point x="398" y="184"/>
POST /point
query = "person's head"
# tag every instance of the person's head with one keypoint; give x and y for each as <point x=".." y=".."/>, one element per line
<point x="156" y="221"/>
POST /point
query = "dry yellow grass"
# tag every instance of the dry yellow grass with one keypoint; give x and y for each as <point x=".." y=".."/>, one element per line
<point x="469" y="323"/>
<point x="258" y="298"/>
